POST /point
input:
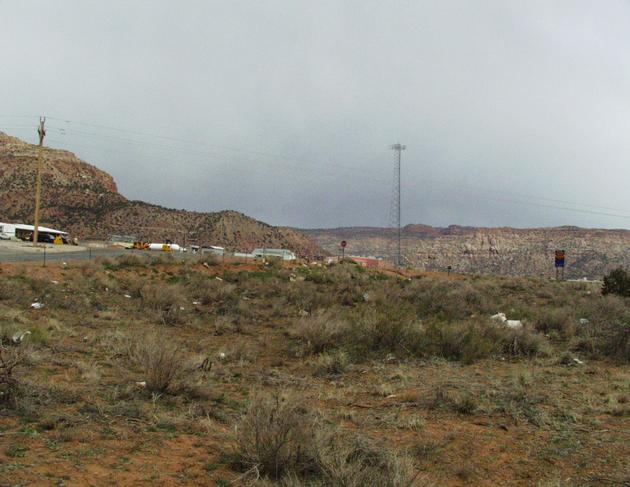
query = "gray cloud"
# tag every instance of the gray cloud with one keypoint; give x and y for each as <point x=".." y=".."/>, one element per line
<point x="296" y="103"/>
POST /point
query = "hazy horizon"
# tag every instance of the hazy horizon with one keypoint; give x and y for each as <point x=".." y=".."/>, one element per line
<point x="514" y="115"/>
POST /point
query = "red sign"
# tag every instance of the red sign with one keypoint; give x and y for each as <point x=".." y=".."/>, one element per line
<point x="343" y="244"/>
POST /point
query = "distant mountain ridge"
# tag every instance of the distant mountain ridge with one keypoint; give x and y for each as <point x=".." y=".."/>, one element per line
<point x="84" y="200"/>
<point x="504" y="250"/>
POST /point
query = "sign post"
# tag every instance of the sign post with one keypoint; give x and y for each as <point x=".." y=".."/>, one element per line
<point x="559" y="262"/>
<point x="343" y="249"/>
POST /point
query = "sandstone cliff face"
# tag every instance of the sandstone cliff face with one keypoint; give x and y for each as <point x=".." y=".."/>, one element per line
<point x="525" y="252"/>
<point x="84" y="200"/>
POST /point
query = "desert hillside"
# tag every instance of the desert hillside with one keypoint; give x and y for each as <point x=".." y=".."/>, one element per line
<point x="85" y="201"/>
<point x="158" y="372"/>
<point x="509" y="251"/>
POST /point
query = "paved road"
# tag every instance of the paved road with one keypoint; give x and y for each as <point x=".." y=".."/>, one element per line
<point x="10" y="255"/>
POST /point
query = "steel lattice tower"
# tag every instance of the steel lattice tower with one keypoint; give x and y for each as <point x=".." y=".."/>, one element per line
<point x="395" y="203"/>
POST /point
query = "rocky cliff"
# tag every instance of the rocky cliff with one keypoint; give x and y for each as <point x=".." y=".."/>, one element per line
<point x="511" y="251"/>
<point x="83" y="200"/>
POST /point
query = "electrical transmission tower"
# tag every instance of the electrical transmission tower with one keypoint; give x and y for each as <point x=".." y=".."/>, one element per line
<point x="395" y="204"/>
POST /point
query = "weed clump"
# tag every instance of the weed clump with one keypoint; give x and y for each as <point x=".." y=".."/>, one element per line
<point x="282" y="439"/>
<point x="10" y="360"/>
<point x="558" y="323"/>
<point x="276" y="436"/>
<point x="322" y="331"/>
<point x="165" y="300"/>
<point x="331" y="363"/>
<point x="163" y="364"/>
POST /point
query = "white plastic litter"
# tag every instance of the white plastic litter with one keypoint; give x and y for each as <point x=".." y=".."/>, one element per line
<point x="196" y="302"/>
<point x="19" y="336"/>
<point x="577" y="361"/>
<point x="141" y="384"/>
<point x="55" y="282"/>
<point x="222" y="355"/>
<point x="37" y="305"/>
<point x="127" y="296"/>
<point x="501" y="318"/>
<point x="584" y="321"/>
<point x="218" y="278"/>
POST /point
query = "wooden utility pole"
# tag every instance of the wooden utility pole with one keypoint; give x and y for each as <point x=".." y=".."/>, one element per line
<point x="38" y="182"/>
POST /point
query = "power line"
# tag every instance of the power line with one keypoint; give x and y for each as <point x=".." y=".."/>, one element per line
<point x="364" y="175"/>
<point x="582" y="208"/>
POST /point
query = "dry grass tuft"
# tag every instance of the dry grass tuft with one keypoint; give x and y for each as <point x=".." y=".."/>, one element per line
<point x="163" y="363"/>
<point x="166" y="300"/>
<point x="281" y="438"/>
<point x="321" y="331"/>
<point x="10" y="360"/>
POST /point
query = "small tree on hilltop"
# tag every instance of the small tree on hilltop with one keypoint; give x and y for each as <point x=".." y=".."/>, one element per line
<point x="617" y="282"/>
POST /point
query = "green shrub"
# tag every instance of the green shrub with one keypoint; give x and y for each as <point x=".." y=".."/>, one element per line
<point x="617" y="282"/>
<point x="465" y="341"/>
<point x="524" y="342"/>
<point x="381" y="330"/>
<point x="612" y="339"/>
<point x="560" y="322"/>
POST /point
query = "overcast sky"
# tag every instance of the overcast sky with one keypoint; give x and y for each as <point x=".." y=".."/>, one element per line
<point x="509" y="109"/>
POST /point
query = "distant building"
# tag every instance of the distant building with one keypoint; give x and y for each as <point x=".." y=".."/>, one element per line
<point x="210" y="249"/>
<point x="25" y="232"/>
<point x="284" y="254"/>
<point x="367" y="262"/>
